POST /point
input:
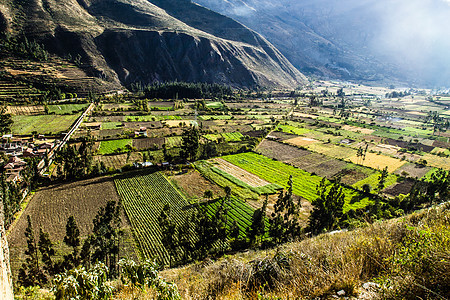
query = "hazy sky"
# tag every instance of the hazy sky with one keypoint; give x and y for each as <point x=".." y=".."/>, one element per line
<point x="413" y="34"/>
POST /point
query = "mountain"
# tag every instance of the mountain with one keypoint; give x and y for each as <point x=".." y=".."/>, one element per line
<point x="405" y="41"/>
<point x="130" y="41"/>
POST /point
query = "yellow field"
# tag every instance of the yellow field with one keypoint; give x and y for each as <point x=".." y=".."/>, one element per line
<point x="25" y="110"/>
<point x="360" y="129"/>
<point x="331" y="150"/>
<point x="301" y="141"/>
<point x="298" y="114"/>
<point x="379" y="161"/>
<point x="437" y="161"/>
<point x="176" y="123"/>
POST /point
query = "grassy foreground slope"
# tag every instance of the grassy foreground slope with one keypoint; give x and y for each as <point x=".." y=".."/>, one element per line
<point x="406" y="258"/>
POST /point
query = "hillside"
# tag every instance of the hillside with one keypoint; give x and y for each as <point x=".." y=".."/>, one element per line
<point x="139" y="41"/>
<point x="404" y="258"/>
<point x="369" y="41"/>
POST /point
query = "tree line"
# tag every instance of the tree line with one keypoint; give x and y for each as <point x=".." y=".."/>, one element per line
<point x="180" y="90"/>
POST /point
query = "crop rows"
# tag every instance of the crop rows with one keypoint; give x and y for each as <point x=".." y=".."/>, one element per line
<point x="232" y="136"/>
<point x="174" y="141"/>
<point x="205" y="168"/>
<point x="143" y="198"/>
<point x="237" y="211"/>
<point x="304" y="183"/>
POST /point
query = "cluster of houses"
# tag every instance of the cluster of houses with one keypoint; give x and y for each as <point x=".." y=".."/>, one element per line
<point x="18" y="148"/>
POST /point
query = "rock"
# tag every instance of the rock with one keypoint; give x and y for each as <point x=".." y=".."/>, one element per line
<point x="341" y="293"/>
<point x="371" y="286"/>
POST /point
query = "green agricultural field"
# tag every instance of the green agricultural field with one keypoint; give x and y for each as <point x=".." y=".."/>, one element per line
<point x="214" y="105"/>
<point x="174" y="141"/>
<point x="212" y="137"/>
<point x="304" y="184"/>
<point x="260" y="190"/>
<point x="150" y="118"/>
<point x="232" y="136"/>
<point x="238" y="211"/>
<point x="292" y="129"/>
<point x="114" y="146"/>
<point x="42" y="124"/>
<point x="64" y="109"/>
<point x="143" y="198"/>
<point x="373" y="180"/>
<point x="208" y="171"/>
<point x="111" y="125"/>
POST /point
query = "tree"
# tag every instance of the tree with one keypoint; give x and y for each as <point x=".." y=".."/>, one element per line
<point x="30" y="273"/>
<point x="208" y="194"/>
<point x="170" y="235"/>
<point x="284" y="224"/>
<point x="257" y="228"/>
<point x="382" y="179"/>
<point x="104" y="242"/>
<point x="327" y="207"/>
<point x="5" y="120"/>
<point x="190" y="143"/>
<point x="48" y="252"/>
<point x="72" y="239"/>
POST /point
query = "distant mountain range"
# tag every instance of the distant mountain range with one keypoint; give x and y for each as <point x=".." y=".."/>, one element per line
<point x="144" y="41"/>
<point x="404" y="41"/>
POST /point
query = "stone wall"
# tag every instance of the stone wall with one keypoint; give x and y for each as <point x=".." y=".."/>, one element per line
<point x="6" y="287"/>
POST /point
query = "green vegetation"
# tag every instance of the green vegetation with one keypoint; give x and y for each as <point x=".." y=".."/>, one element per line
<point x="206" y="169"/>
<point x="42" y="124"/>
<point x="144" y="197"/>
<point x="237" y="211"/>
<point x="373" y="180"/>
<point x="66" y="109"/>
<point x="174" y="141"/>
<point x="260" y="190"/>
<point x="232" y="136"/>
<point x="304" y="184"/>
<point x="403" y="259"/>
<point x="215" y="105"/>
<point x="114" y="146"/>
<point x="179" y="90"/>
<point x="292" y="129"/>
<point x="150" y="118"/>
<point x="111" y="125"/>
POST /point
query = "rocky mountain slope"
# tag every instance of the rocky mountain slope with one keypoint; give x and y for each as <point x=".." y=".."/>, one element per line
<point x="366" y="40"/>
<point x="142" y="41"/>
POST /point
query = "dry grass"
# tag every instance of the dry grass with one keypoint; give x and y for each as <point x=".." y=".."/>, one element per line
<point x="321" y="266"/>
<point x="378" y="161"/>
<point x="301" y="141"/>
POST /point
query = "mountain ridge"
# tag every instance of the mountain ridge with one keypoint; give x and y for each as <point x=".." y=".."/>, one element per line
<point x="130" y="41"/>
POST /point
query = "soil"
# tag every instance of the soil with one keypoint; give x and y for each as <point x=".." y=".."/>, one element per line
<point x="148" y="143"/>
<point x="412" y="170"/>
<point x="400" y="188"/>
<point x="51" y="206"/>
<point x="239" y="173"/>
<point x="301" y="141"/>
<point x="280" y="151"/>
<point x="194" y="185"/>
